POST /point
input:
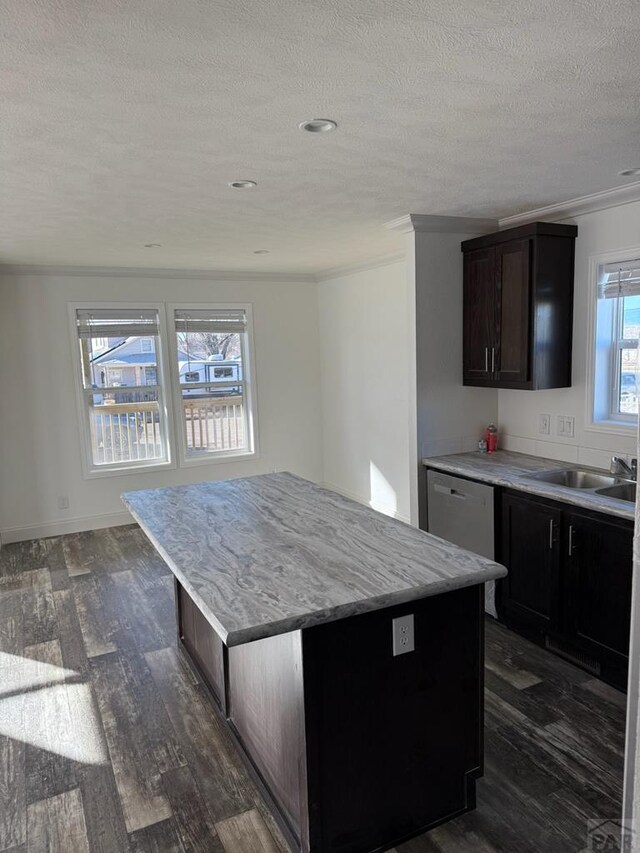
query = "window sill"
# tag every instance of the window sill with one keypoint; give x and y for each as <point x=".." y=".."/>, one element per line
<point x="218" y="458"/>
<point x="613" y="427"/>
<point x="100" y="473"/>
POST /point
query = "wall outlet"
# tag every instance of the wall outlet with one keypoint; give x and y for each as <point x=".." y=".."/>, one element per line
<point x="403" y="639"/>
<point x="544" y="424"/>
<point x="63" y="502"/>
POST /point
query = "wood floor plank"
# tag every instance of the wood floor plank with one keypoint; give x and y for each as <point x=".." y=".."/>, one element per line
<point x="246" y="833"/>
<point x="136" y="772"/>
<point x="523" y="699"/>
<point x="48" y="772"/>
<point x="38" y="607"/>
<point x="160" y="837"/>
<point x="12" y="752"/>
<point x="72" y="649"/>
<point x="147" y="610"/>
<point x="552" y="752"/>
<point x="191" y="814"/>
<point x="207" y="746"/>
<point x="512" y="673"/>
<point x="12" y="794"/>
<point x="56" y="825"/>
<point x="93" y="550"/>
<point x="18" y="557"/>
<point x="104" y="818"/>
<point x="98" y="623"/>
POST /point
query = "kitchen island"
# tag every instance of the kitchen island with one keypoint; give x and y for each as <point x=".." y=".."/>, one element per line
<point x="343" y="648"/>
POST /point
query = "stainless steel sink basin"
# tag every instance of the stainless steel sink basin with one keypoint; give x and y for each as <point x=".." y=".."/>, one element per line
<point x="622" y="491"/>
<point x="576" y="478"/>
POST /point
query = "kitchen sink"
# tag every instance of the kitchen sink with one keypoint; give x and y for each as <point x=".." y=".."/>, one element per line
<point x="576" y="478"/>
<point x="621" y="491"/>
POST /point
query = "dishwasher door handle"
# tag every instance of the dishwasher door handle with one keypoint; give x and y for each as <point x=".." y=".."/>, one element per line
<point x="452" y="493"/>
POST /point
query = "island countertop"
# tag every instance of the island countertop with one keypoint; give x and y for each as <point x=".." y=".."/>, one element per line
<point x="274" y="553"/>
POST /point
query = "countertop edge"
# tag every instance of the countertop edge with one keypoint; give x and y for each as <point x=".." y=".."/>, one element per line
<point x="522" y="483"/>
<point x="492" y="571"/>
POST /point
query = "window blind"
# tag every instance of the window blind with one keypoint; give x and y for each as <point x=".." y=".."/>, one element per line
<point x="619" y="279"/>
<point x="217" y="320"/>
<point x="116" y="322"/>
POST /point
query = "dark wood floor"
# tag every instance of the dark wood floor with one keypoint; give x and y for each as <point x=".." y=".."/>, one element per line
<point x="108" y="742"/>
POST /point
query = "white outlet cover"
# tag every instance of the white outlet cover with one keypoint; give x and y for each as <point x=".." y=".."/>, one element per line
<point x="403" y="635"/>
<point x="544" y="424"/>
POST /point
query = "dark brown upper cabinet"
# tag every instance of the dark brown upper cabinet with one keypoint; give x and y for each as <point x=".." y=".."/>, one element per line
<point x="518" y="307"/>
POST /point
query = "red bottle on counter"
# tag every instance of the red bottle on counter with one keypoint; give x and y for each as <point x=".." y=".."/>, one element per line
<point x="491" y="436"/>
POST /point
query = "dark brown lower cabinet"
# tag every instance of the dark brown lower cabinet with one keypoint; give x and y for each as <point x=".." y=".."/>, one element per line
<point x="599" y="573"/>
<point x="355" y="749"/>
<point x="569" y="582"/>
<point x="530" y="538"/>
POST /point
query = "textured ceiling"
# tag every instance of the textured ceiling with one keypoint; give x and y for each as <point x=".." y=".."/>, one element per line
<point x="123" y="120"/>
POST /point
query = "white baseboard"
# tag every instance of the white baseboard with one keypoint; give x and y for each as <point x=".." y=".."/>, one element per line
<point x="61" y="526"/>
<point x="385" y="510"/>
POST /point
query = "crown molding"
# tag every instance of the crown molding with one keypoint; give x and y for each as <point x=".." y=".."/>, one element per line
<point x="139" y="272"/>
<point x="427" y="223"/>
<point x="360" y="266"/>
<point x="576" y="206"/>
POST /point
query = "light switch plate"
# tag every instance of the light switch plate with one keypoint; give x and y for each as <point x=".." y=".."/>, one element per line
<point x="403" y="635"/>
<point x="566" y="426"/>
<point x="544" y="424"/>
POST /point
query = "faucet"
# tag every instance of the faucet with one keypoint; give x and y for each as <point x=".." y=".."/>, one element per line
<point x="619" y="466"/>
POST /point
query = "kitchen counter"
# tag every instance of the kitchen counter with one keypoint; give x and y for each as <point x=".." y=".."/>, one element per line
<point x="343" y="649"/>
<point x="265" y="555"/>
<point x="512" y="470"/>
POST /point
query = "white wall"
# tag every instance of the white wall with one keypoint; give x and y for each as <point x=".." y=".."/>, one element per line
<point x="365" y="358"/>
<point x="602" y="231"/>
<point x="450" y="418"/>
<point x="39" y="432"/>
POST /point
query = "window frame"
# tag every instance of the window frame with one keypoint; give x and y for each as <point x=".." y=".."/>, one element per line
<point x="90" y="470"/>
<point x="612" y="423"/>
<point x="249" y="385"/>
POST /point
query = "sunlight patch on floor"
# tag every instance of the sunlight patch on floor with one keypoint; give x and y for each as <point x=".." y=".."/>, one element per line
<point x="45" y="705"/>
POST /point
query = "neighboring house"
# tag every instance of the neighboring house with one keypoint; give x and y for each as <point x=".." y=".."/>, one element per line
<point x="127" y="363"/>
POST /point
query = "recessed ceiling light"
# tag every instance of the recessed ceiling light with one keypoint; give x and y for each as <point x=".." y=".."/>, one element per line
<point x="260" y="251"/>
<point x="318" y="125"/>
<point x="153" y="245"/>
<point x="627" y="173"/>
<point x="243" y="185"/>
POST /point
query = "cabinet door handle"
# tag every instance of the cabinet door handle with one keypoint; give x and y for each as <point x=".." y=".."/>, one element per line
<point x="551" y="534"/>
<point x="571" y="540"/>
<point x="486" y="359"/>
<point x="493" y="359"/>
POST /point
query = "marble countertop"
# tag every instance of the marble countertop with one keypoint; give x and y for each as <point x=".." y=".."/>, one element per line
<point x="270" y="554"/>
<point x="513" y="470"/>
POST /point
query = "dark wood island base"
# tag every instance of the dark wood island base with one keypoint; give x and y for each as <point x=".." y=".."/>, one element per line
<point x="354" y="748"/>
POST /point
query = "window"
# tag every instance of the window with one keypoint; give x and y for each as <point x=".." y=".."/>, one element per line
<point x="124" y="417"/>
<point x="213" y="382"/>
<point x="124" y="390"/>
<point x="617" y="329"/>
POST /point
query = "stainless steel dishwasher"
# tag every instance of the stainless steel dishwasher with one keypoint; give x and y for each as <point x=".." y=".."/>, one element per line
<point x="461" y="512"/>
